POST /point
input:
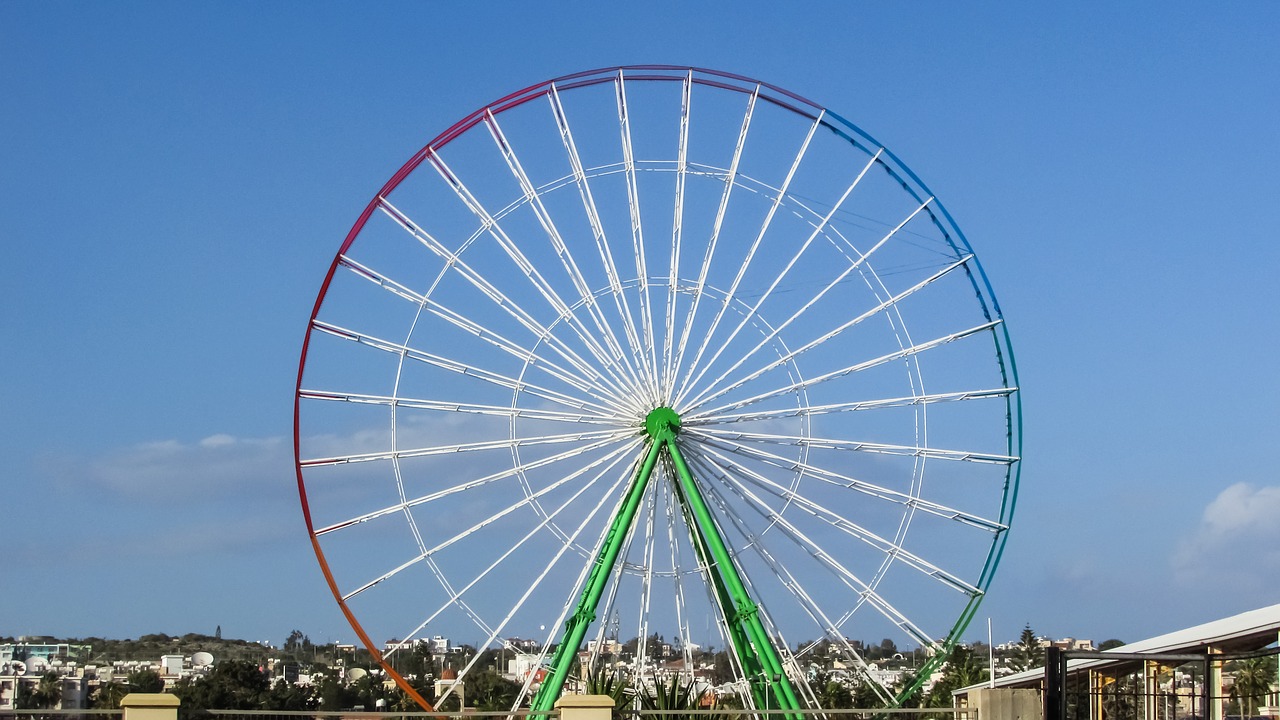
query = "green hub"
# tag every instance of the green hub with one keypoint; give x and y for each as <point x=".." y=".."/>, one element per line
<point x="662" y="421"/>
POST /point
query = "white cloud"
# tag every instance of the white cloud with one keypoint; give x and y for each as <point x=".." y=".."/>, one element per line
<point x="1236" y="546"/>
<point x="215" y="467"/>
<point x="1241" y="510"/>
<point x="218" y="440"/>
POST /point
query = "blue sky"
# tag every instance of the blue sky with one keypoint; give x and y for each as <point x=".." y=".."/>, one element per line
<point x="175" y="179"/>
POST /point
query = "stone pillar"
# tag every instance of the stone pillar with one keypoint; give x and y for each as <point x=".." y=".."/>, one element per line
<point x="150" y="706"/>
<point x="1006" y="704"/>
<point x="585" y="707"/>
<point x="1213" y="685"/>
<point x="1150" y="688"/>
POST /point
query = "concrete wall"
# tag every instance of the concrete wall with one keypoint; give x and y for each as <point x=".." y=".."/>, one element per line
<point x="1007" y="704"/>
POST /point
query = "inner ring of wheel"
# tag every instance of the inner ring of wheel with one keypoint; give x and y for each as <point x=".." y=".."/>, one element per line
<point x="637" y="420"/>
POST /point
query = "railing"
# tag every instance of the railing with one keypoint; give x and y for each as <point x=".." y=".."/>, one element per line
<point x="708" y="714"/>
<point x="83" y="714"/>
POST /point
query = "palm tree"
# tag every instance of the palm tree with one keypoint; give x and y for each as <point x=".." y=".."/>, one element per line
<point x="48" y="692"/>
<point x="109" y="695"/>
<point x="1253" y="678"/>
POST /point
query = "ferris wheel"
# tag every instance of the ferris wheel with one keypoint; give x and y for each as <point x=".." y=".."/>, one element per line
<point x="665" y="346"/>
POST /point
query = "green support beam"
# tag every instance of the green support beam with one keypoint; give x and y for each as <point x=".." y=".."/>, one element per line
<point x="585" y="613"/>
<point x="756" y="653"/>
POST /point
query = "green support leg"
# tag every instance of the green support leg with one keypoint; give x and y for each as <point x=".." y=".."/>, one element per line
<point x="745" y="613"/>
<point x="585" y="613"/>
<point x="740" y="643"/>
<point x="757" y="656"/>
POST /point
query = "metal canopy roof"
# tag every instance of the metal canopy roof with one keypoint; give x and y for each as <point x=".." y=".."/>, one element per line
<point x="1247" y="631"/>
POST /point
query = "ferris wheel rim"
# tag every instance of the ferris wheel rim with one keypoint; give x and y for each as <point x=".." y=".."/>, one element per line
<point x="722" y="81"/>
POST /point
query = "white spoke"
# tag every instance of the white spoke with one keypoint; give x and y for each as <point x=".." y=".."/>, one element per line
<point x="457" y="264"/>
<point x="456" y="595"/>
<point x="614" y="457"/>
<point x="906" y="352"/>
<point x="606" y="404"/>
<point x="469" y="326"/>
<point x="889" y="548"/>
<point x="844" y="574"/>
<point x="637" y="232"/>
<point x="677" y="228"/>
<point x="779" y="196"/>
<point x="810" y="606"/>
<point x="481" y="446"/>
<point x="646" y="581"/>
<point x="840" y="480"/>
<point x="851" y="406"/>
<point x="682" y="612"/>
<point x="558" y="244"/>
<point x="729" y="181"/>
<point x="607" y="360"/>
<point x="818" y="229"/>
<point x="857" y="446"/>
<point x="597" y="232"/>
<point x="465" y="408"/>
<point x="407" y="503"/>
<point x="838" y="279"/>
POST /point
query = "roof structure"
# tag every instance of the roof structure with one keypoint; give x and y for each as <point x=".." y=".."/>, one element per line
<point x="1247" y="631"/>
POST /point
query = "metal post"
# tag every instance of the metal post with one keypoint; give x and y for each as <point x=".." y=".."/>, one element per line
<point x="1055" y="705"/>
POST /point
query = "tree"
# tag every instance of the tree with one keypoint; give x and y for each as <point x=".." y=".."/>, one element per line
<point x="415" y="662"/>
<point x="22" y="697"/>
<point x="286" y="696"/>
<point x="489" y="691"/>
<point x="653" y="646"/>
<point x="331" y="695"/>
<point x="368" y="691"/>
<point x="145" y="681"/>
<point x="108" y="696"/>
<point x="1027" y="653"/>
<point x="962" y="669"/>
<point x="867" y="695"/>
<point x="1253" y="678"/>
<point x="832" y="693"/>
<point x="1111" y="644"/>
<point x="722" y="670"/>
<point x="230" y="685"/>
<point x="48" y="692"/>
<point x="907" y="680"/>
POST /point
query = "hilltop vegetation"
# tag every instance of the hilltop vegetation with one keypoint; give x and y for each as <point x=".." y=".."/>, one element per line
<point x="151" y="647"/>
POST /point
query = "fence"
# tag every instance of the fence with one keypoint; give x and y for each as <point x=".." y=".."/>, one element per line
<point x="571" y="707"/>
<point x="1140" y="686"/>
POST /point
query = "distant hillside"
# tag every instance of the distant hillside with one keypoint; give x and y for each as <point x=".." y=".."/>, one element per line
<point x="151" y="647"/>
